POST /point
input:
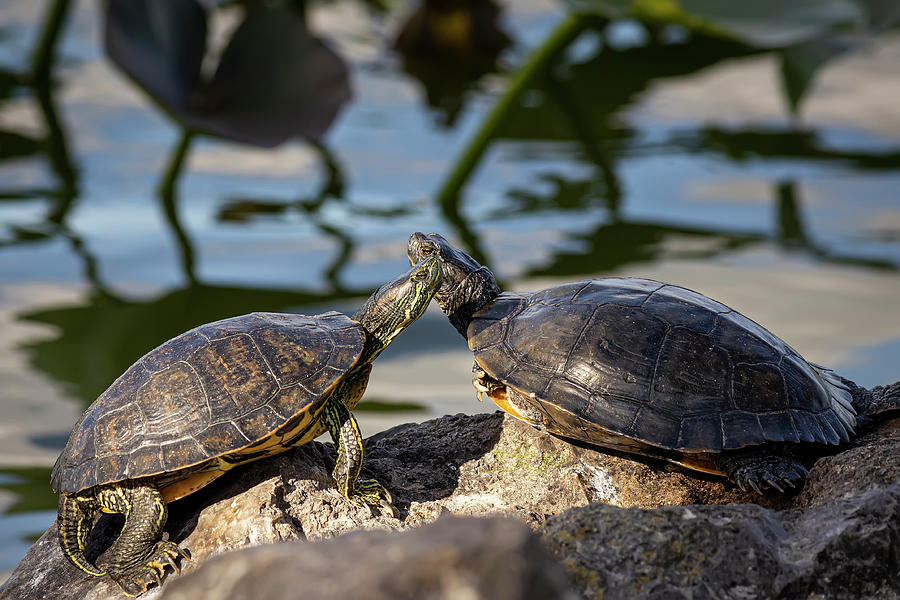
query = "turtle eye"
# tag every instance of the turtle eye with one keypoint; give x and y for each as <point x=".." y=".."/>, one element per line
<point x="427" y="249"/>
<point x="419" y="276"/>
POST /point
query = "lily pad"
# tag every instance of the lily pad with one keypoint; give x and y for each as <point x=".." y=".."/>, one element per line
<point x="275" y="80"/>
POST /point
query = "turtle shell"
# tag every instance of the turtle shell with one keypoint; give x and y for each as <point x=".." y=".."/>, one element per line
<point x="208" y="393"/>
<point x="656" y="363"/>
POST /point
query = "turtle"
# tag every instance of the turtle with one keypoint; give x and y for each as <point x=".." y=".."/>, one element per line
<point x="220" y="395"/>
<point x="649" y="368"/>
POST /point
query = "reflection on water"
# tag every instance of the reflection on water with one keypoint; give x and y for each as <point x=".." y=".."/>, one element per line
<point x="566" y="177"/>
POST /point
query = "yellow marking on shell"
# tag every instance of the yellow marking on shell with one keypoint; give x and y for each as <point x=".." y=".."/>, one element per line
<point x="189" y="485"/>
<point x="274" y="443"/>
<point x="697" y="462"/>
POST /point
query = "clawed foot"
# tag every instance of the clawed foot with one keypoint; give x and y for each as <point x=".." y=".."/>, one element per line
<point x="783" y="476"/>
<point x="370" y="492"/>
<point x="483" y="383"/>
<point x="143" y="577"/>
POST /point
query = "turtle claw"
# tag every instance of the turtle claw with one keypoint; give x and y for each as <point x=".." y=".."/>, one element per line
<point x="391" y="508"/>
<point x="370" y="492"/>
<point x="773" y="483"/>
<point x="754" y="484"/>
<point x="142" y="578"/>
<point x="480" y="383"/>
<point x="171" y="562"/>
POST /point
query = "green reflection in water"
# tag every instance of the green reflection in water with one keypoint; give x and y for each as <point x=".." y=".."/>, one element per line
<point x="30" y="487"/>
<point x="379" y="405"/>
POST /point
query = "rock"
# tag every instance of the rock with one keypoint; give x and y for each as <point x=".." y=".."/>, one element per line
<point x="846" y="549"/>
<point x="478" y="559"/>
<point x="491" y="464"/>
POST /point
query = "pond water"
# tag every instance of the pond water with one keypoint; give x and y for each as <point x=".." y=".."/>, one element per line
<point x="677" y="164"/>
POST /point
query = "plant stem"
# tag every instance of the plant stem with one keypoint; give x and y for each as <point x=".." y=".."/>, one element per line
<point x="170" y="209"/>
<point x="564" y="33"/>
<point x="42" y="59"/>
<point x="176" y="163"/>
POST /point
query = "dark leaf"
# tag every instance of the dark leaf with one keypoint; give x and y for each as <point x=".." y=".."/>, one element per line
<point x="883" y="14"/>
<point x="160" y="45"/>
<point x="800" y="63"/>
<point x="275" y="81"/>
<point x="775" y="23"/>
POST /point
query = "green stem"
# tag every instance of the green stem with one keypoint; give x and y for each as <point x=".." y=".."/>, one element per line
<point x="562" y="36"/>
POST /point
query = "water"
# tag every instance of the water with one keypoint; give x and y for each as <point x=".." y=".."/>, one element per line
<point x="677" y="165"/>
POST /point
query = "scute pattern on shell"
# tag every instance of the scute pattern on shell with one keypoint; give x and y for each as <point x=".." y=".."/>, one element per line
<point x="206" y="393"/>
<point x="657" y="363"/>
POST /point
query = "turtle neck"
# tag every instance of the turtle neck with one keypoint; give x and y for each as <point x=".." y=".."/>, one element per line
<point x="474" y="292"/>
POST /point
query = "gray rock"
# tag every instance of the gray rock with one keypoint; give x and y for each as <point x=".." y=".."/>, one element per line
<point x="453" y="558"/>
<point x="491" y="464"/>
<point x="846" y="549"/>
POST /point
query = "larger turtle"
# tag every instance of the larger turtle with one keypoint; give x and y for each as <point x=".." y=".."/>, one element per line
<point x="220" y="395"/>
<point x="647" y="367"/>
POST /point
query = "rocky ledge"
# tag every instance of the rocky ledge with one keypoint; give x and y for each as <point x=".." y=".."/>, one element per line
<point x="620" y="528"/>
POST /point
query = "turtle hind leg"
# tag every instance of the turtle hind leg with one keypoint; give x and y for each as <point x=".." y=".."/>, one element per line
<point x="140" y="555"/>
<point x="762" y="470"/>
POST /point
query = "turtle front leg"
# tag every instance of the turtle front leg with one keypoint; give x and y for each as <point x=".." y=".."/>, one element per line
<point x="484" y="383"/>
<point x="140" y="555"/>
<point x="345" y="433"/>
<point x="76" y="517"/>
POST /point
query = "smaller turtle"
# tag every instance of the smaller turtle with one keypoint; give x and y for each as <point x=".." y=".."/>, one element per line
<point x="220" y="395"/>
<point x="648" y="368"/>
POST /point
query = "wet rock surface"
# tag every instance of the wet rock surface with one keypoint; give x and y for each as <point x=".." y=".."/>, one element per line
<point x="598" y="513"/>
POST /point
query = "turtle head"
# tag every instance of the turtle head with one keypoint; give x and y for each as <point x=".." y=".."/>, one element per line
<point x="396" y="304"/>
<point x="466" y="285"/>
